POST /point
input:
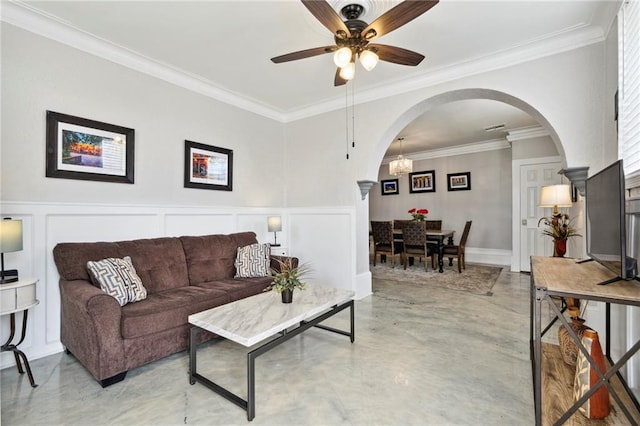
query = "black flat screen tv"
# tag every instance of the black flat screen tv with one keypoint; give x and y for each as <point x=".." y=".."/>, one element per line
<point x="606" y="222"/>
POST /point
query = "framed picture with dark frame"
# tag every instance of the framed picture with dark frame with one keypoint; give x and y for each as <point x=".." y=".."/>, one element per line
<point x="422" y="182"/>
<point x="459" y="181"/>
<point x="207" y="167"/>
<point x="80" y="148"/>
<point x="389" y="187"/>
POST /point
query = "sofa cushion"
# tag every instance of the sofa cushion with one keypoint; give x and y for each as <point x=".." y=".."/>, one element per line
<point x="212" y="257"/>
<point x="168" y="309"/>
<point x="160" y="262"/>
<point x="239" y="288"/>
<point x="253" y="261"/>
<point x="118" y="278"/>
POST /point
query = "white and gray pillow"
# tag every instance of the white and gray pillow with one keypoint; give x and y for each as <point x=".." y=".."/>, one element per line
<point x="118" y="278"/>
<point x="253" y="261"/>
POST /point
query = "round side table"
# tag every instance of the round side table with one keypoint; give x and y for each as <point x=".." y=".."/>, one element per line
<point x="18" y="297"/>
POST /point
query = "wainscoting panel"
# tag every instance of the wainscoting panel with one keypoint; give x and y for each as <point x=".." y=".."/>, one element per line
<point x="323" y="235"/>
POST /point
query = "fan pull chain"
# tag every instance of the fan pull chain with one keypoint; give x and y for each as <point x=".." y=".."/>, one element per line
<point x="346" y="115"/>
<point x="353" y="115"/>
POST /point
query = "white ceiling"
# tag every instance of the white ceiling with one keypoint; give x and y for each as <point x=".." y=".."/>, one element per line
<point x="222" y="49"/>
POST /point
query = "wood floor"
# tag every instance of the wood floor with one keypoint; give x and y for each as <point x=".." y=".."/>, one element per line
<point x="557" y="389"/>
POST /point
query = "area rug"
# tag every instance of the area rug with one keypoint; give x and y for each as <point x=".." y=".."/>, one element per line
<point x="476" y="279"/>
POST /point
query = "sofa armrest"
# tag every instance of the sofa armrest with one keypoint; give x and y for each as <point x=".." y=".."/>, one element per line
<point x="275" y="265"/>
<point x="90" y="328"/>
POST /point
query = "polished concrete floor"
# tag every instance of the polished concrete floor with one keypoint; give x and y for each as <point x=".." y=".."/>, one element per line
<point x="422" y="356"/>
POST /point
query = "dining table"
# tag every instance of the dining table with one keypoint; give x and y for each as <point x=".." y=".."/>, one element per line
<point x="437" y="235"/>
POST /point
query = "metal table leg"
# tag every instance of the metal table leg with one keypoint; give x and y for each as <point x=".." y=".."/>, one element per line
<point x="17" y="353"/>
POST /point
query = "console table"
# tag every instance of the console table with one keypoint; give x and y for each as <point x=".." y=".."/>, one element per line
<point x="565" y="278"/>
<point x="16" y="297"/>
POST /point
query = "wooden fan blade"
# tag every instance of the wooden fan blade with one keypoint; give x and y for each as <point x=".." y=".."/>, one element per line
<point x="328" y="17"/>
<point x="337" y="80"/>
<point x="301" y="54"/>
<point x="397" y="17"/>
<point x="397" y="55"/>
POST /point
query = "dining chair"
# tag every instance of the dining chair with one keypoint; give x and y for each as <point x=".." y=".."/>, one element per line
<point x="383" y="241"/>
<point x="415" y="243"/>
<point x="433" y="224"/>
<point x="458" y="250"/>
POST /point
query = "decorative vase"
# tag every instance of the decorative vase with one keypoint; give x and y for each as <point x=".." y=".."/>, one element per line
<point x="287" y="296"/>
<point x="598" y="405"/>
<point x="568" y="348"/>
<point x="559" y="248"/>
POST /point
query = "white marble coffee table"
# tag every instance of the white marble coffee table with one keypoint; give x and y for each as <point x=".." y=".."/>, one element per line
<point x="256" y="318"/>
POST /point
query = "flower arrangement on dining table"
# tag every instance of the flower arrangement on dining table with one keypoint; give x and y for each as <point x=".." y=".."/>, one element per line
<point x="418" y="214"/>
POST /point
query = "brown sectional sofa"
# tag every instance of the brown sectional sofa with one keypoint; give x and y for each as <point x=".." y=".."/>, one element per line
<point x="182" y="276"/>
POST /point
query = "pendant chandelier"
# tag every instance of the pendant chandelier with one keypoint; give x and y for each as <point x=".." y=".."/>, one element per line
<point x="401" y="165"/>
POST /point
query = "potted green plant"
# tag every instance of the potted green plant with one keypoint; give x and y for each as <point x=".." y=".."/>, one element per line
<point x="560" y="228"/>
<point x="288" y="276"/>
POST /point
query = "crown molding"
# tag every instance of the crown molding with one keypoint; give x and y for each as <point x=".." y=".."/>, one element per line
<point x="470" y="148"/>
<point x="523" y="133"/>
<point x="574" y="38"/>
<point x="33" y="20"/>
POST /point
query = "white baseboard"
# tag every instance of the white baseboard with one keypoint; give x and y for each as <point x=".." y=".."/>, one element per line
<point x="488" y="256"/>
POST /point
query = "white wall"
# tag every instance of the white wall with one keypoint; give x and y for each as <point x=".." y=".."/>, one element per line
<point x="487" y="204"/>
<point x="39" y="75"/>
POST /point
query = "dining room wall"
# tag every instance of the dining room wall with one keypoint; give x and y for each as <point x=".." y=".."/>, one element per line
<point x="487" y="203"/>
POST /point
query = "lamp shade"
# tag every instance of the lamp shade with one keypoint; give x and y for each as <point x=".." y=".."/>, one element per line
<point x="342" y="57"/>
<point x="348" y="71"/>
<point x="274" y="223"/>
<point x="10" y="235"/>
<point x="555" y="196"/>
<point x="368" y="59"/>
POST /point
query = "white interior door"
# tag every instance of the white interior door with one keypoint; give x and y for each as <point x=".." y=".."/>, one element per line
<point x="532" y="178"/>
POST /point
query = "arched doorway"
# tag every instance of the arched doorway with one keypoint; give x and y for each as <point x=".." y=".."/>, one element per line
<point x="425" y="106"/>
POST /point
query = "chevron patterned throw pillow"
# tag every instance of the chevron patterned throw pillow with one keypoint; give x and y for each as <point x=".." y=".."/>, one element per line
<point x="118" y="278"/>
<point x="253" y="261"/>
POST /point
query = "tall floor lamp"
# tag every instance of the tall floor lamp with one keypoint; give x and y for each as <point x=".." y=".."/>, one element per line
<point x="10" y="240"/>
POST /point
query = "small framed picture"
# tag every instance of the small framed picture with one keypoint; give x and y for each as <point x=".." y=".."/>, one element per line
<point x="79" y="148"/>
<point x="422" y="182"/>
<point x="207" y="167"/>
<point x="389" y="187"/>
<point x="459" y="181"/>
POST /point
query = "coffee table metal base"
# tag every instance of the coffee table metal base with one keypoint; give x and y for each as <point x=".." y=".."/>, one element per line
<point x="249" y="405"/>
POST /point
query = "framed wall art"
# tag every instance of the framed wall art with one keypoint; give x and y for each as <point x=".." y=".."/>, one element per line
<point x="422" y="182"/>
<point x="79" y="148"/>
<point x="207" y="167"/>
<point x="389" y="187"/>
<point x="459" y="181"/>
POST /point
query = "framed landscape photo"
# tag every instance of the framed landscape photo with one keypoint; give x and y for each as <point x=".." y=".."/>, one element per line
<point x="459" y="181"/>
<point x="207" y="167"/>
<point x="422" y="182"/>
<point x="389" y="187"/>
<point x="79" y="148"/>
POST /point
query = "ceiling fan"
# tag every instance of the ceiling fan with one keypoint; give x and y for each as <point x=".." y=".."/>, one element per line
<point x="353" y="36"/>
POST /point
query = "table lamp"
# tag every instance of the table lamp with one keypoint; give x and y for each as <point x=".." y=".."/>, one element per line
<point x="555" y="196"/>
<point x="275" y="225"/>
<point x="10" y="240"/>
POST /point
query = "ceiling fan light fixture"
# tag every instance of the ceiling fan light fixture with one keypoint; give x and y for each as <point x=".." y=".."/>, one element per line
<point x="348" y="71"/>
<point x="342" y="57"/>
<point x="368" y="59"/>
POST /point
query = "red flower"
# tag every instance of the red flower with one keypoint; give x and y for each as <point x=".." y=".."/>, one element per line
<point x="412" y="211"/>
<point x="423" y="211"/>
